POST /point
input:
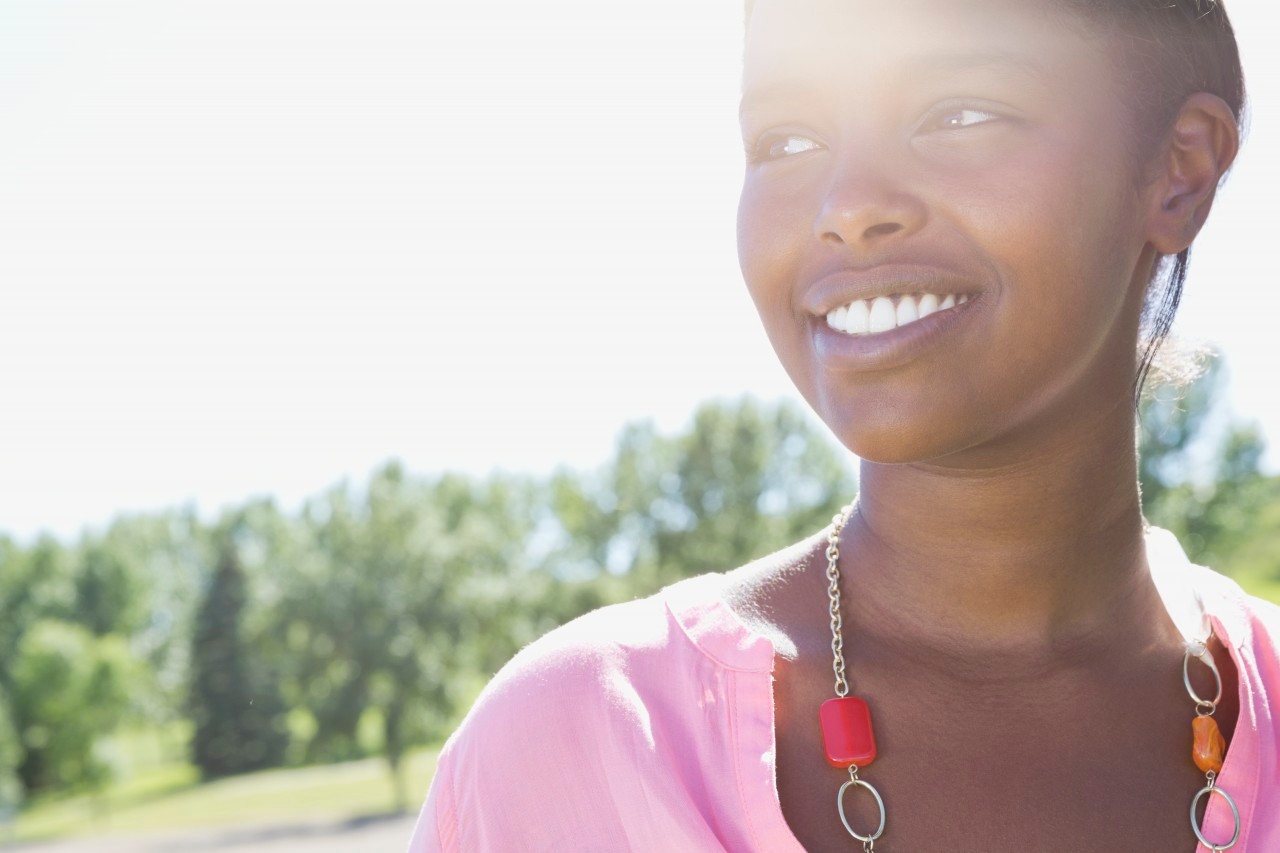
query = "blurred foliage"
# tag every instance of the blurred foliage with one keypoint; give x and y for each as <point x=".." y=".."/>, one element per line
<point x="11" y="754"/>
<point x="1227" y="514"/>
<point x="68" y="688"/>
<point x="746" y="479"/>
<point x="367" y="621"/>
<point x="235" y="701"/>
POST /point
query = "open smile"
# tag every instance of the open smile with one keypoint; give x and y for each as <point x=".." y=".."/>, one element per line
<point x="889" y="331"/>
<point x="885" y="313"/>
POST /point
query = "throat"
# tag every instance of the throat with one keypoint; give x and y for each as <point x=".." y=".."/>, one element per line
<point x="1054" y="604"/>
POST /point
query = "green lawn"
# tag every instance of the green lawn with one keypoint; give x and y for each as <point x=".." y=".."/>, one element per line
<point x="170" y="798"/>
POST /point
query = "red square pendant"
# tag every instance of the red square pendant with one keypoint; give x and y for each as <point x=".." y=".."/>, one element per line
<point x="846" y="732"/>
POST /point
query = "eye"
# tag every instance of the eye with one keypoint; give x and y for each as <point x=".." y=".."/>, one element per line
<point x="959" y="119"/>
<point x="777" y="146"/>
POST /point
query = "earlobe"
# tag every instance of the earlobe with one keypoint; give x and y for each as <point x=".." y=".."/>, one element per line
<point x="1198" y="151"/>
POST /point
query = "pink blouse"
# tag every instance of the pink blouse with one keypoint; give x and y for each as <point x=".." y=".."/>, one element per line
<point x="648" y="726"/>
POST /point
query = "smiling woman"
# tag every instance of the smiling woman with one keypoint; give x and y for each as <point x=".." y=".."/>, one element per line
<point x="964" y="225"/>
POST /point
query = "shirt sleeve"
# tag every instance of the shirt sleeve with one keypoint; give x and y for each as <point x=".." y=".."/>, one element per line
<point x="437" y="828"/>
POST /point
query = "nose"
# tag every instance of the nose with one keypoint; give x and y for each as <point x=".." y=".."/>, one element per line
<point x="865" y="209"/>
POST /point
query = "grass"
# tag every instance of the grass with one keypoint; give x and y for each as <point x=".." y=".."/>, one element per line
<point x="170" y="798"/>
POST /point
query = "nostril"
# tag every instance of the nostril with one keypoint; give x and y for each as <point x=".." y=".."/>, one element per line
<point x="884" y="229"/>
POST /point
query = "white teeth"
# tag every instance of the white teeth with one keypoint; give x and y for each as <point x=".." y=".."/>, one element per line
<point x="870" y="317"/>
<point x="907" y="312"/>
<point x="836" y="318"/>
<point x="858" y="322"/>
<point x="928" y="305"/>
<point x="883" y="315"/>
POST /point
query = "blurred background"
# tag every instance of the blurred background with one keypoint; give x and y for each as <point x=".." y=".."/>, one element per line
<point x="345" y="347"/>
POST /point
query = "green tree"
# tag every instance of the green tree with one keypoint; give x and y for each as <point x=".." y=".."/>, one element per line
<point x="10" y="758"/>
<point x="1223" y="509"/>
<point x="110" y="598"/>
<point x="745" y="479"/>
<point x="236" y="707"/>
<point x="142" y="579"/>
<point x="408" y="592"/>
<point x="35" y="584"/>
<point x="69" y="690"/>
<point x="1172" y="419"/>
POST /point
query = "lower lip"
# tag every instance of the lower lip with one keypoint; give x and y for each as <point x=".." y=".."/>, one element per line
<point x="894" y="348"/>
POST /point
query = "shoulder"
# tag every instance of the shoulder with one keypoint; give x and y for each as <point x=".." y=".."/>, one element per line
<point x="1257" y="614"/>
<point x="570" y="678"/>
<point x="1263" y="617"/>
<point x="582" y="651"/>
<point x="1193" y="593"/>
<point x="640" y="646"/>
<point x="1253" y="623"/>
<point x="590" y="722"/>
<point x="596" y="681"/>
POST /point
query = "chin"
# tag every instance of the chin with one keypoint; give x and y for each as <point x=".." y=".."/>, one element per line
<point x="878" y="430"/>
<point x="892" y="447"/>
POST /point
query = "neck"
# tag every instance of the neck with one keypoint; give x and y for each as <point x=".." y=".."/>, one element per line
<point x="1029" y="559"/>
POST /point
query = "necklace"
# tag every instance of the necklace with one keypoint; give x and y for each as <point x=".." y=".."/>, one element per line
<point x="849" y="743"/>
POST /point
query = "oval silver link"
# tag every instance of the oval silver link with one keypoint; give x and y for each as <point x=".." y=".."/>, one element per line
<point x="1201" y="653"/>
<point x="1209" y="790"/>
<point x="855" y="782"/>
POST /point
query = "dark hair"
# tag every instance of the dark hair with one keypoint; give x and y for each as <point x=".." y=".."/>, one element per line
<point x="1171" y="49"/>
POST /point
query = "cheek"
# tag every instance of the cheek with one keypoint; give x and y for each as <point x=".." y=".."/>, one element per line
<point x="775" y="239"/>
<point x="765" y="215"/>
<point x="1062" y="230"/>
<point x="1061" y="226"/>
<point x="771" y="231"/>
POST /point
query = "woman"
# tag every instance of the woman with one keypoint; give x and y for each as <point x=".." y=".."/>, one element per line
<point x="954" y="221"/>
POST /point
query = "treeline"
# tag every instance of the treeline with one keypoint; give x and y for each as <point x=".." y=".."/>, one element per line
<point x="287" y="638"/>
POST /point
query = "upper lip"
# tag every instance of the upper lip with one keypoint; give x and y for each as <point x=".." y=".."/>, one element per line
<point x="844" y="286"/>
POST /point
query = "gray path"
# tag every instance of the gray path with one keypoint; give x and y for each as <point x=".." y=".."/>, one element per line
<point x="357" y="836"/>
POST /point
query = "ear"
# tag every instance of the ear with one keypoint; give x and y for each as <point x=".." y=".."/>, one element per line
<point x="1200" y="148"/>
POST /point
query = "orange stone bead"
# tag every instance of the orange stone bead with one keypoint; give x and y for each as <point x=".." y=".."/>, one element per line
<point x="1208" y="747"/>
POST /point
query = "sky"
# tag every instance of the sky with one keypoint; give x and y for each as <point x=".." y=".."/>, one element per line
<point x="254" y="247"/>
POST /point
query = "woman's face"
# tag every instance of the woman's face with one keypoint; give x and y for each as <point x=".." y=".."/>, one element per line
<point x="901" y="152"/>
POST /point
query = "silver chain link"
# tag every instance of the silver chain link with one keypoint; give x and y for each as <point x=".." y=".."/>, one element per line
<point x="838" y="522"/>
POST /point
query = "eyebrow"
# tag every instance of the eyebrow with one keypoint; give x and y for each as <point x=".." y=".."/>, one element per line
<point x="790" y="89"/>
<point x="931" y="65"/>
<point x="772" y="93"/>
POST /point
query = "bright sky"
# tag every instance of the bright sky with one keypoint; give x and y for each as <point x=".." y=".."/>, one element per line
<point x="255" y="246"/>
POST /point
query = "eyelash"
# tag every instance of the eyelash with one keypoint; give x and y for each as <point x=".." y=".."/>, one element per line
<point x="761" y="151"/>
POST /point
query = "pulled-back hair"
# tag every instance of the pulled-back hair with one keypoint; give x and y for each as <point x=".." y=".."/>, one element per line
<point x="1169" y="50"/>
<point x="1172" y="49"/>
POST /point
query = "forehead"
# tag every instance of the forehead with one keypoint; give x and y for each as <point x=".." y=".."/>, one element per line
<point x="862" y="41"/>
